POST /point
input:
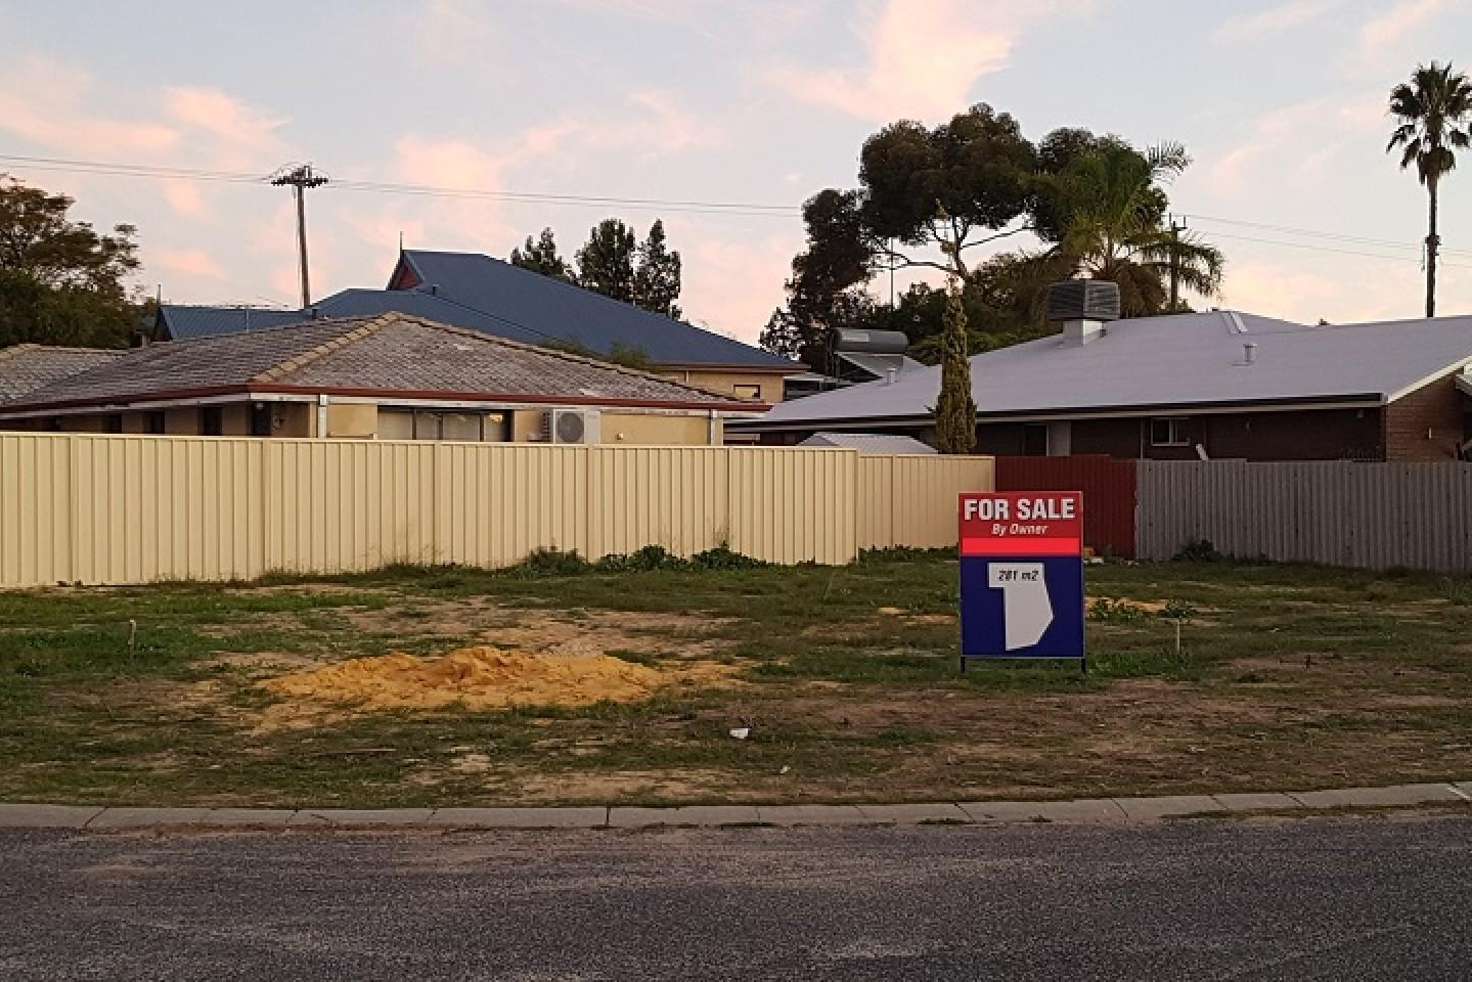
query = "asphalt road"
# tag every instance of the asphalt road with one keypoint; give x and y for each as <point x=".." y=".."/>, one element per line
<point x="1362" y="898"/>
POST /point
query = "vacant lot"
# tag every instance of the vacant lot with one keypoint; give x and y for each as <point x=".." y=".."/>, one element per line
<point x="847" y="679"/>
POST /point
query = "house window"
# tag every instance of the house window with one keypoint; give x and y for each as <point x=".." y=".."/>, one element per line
<point x="212" y="421"/>
<point x="153" y="422"/>
<point x="1035" y="439"/>
<point x="112" y="423"/>
<point x="745" y="391"/>
<point x="1169" y="431"/>
<point x="468" y="427"/>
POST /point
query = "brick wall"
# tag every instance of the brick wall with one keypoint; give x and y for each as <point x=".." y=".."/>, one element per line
<point x="1427" y="425"/>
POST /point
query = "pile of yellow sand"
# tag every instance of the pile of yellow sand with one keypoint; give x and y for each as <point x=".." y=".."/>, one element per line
<point x="476" y="678"/>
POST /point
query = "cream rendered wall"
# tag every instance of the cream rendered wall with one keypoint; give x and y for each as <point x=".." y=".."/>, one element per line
<point x="651" y="429"/>
<point x="727" y="381"/>
<point x="352" y="421"/>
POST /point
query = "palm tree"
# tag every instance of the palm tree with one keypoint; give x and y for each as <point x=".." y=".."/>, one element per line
<point x="1431" y="112"/>
<point x="1113" y="203"/>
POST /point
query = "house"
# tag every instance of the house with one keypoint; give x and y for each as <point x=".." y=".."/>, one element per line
<point x="487" y="295"/>
<point x="1221" y="384"/>
<point x="390" y="376"/>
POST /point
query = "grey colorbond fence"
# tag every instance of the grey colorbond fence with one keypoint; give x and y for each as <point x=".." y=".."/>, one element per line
<point x="1372" y="515"/>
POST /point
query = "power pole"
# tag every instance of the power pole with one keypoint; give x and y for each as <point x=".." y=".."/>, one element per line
<point x="300" y="178"/>
<point x="1176" y="229"/>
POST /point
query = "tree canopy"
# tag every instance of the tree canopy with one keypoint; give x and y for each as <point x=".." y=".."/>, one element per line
<point x="615" y="263"/>
<point x="540" y="256"/>
<point x="62" y="282"/>
<point x="934" y="197"/>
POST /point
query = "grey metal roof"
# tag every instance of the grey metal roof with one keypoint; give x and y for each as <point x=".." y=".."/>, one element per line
<point x="1182" y="360"/>
<point x="28" y="367"/>
<point x="390" y="353"/>
<point x="881" y="443"/>
<point x="552" y="309"/>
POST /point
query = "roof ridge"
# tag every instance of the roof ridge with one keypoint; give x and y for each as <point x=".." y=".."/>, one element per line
<point x="552" y="352"/>
<point x="294" y="364"/>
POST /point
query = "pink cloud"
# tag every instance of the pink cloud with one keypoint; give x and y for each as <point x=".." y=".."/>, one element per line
<point x="923" y="57"/>
<point x="49" y="104"/>
<point x="1276" y="20"/>
<point x="732" y="282"/>
<point x="1396" y="23"/>
<point x="188" y="262"/>
<point x="238" y="131"/>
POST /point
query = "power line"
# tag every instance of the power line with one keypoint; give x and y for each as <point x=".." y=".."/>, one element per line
<point x="687" y="206"/>
<point x="677" y="205"/>
<point x="1320" y="248"/>
<point x="1312" y="233"/>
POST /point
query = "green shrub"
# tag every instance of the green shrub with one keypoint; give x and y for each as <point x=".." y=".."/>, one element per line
<point x="1199" y="551"/>
<point x="551" y="562"/>
<point x="722" y="557"/>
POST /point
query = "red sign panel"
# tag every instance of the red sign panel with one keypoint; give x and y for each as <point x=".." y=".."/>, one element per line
<point x="1022" y="523"/>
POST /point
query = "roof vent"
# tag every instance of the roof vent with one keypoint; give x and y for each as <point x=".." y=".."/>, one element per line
<point x="1249" y="353"/>
<point x="1083" y="300"/>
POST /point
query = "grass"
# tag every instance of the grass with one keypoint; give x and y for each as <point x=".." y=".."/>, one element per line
<point x="1285" y="677"/>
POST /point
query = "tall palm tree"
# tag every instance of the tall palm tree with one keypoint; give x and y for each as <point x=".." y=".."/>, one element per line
<point x="1113" y="203"/>
<point x="1431" y="112"/>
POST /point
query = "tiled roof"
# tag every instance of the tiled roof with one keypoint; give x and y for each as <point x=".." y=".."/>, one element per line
<point x="28" y="367"/>
<point x="384" y="354"/>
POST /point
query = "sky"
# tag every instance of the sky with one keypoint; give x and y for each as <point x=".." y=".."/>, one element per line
<point x="1280" y="102"/>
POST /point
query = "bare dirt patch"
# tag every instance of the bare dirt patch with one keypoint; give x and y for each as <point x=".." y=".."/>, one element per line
<point x="484" y="622"/>
<point x="482" y="678"/>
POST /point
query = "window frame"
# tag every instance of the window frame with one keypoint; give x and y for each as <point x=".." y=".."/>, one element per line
<point x="1175" y="430"/>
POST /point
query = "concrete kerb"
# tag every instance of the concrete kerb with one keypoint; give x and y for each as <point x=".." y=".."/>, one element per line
<point x="1080" y="811"/>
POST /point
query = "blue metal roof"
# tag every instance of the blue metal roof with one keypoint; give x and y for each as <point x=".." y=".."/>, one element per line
<point x="551" y="309"/>
<point x="180" y="322"/>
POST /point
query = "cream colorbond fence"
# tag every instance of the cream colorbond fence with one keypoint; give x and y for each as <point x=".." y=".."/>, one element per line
<point x="134" y="509"/>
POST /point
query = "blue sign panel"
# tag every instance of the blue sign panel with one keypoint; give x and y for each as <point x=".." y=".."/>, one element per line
<point x="1022" y="575"/>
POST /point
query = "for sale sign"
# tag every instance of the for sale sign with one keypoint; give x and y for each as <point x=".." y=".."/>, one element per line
<point x="1022" y="574"/>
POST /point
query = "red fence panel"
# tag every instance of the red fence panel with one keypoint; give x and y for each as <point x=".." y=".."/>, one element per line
<point x="1109" y="488"/>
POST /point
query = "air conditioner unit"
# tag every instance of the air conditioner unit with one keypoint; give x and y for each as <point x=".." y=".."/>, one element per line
<point x="573" y="426"/>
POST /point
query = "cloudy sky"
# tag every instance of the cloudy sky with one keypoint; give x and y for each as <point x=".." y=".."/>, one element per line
<point x="1281" y="102"/>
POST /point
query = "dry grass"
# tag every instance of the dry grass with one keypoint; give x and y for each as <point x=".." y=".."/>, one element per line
<point x="847" y="678"/>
